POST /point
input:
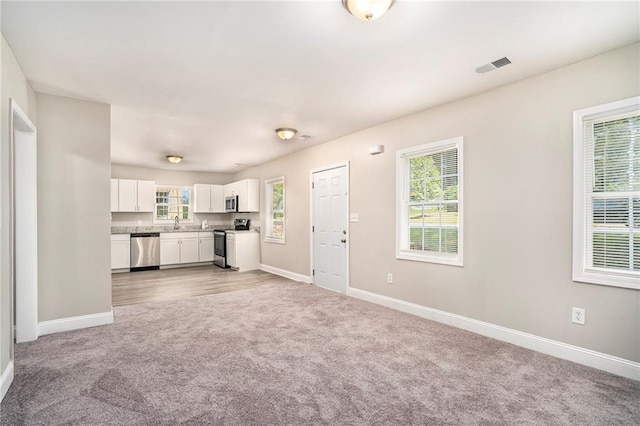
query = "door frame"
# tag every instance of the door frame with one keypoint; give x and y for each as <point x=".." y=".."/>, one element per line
<point x="23" y="251"/>
<point x="346" y="214"/>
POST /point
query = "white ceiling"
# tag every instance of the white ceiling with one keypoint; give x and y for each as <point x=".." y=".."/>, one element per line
<point x="212" y="80"/>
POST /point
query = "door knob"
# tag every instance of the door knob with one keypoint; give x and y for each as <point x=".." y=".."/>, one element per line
<point x="344" y="240"/>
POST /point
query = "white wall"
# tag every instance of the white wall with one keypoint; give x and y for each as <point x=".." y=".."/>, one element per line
<point x="14" y="85"/>
<point x="167" y="177"/>
<point x="518" y="208"/>
<point x="74" y="244"/>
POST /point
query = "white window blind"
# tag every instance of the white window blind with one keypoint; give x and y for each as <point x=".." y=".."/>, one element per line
<point x="430" y="202"/>
<point x="275" y="218"/>
<point x="172" y="201"/>
<point x="607" y="195"/>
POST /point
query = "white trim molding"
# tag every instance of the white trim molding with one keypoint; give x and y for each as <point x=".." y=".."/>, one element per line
<point x="584" y="269"/>
<point x="609" y="363"/>
<point x="284" y="273"/>
<point x="403" y="201"/>
<point x="6" y="379"/>
<point x="75" y="323"/>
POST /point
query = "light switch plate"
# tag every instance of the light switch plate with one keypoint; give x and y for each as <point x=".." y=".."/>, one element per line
<point x="355" y="217"/>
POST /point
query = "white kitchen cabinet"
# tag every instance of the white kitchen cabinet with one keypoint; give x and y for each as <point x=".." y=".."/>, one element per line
<point x="146" y="196"/>
<point x="189" y="249"/>
<point x="208" y="198"/>
<point x="178" y="247"/>
<point x="114" y="195"/>
<point x="135" y="195"/>
<point x="243" y="250"/>
<point x="205" y="251"/>
<point x="169" y="252"/>
<point x="248" y="194"/>
<point x="232" y="258"/>
<point x="120" y="251"/>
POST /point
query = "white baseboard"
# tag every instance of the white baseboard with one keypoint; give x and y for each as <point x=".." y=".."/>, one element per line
<point x="6" y="379"/>
<point x="75" y="323"/>
<point x="286" y="274"/>
<point x="619" y="366"/>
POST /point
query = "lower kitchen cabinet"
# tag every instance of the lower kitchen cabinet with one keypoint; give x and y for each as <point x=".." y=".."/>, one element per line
<point x="205" y="251"/>
<point x="243" y="250"/>
<point x="120" y="251"/>
<point x="179" y="247"/>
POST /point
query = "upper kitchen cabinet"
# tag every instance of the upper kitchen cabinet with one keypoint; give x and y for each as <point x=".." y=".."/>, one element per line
<point x="134" y="196"/>
<point x="114" y="195"/>
<point x="248" y="194"/>
<point x="208" y="198"/>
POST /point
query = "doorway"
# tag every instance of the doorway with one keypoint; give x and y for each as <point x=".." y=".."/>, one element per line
<point x="23" y="225"/>
<point x="329" y="233"/>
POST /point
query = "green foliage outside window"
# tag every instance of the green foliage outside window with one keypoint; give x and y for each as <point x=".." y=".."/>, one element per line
<point x="433" y="202"/>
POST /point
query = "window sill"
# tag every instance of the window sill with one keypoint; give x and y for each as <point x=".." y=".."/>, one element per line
<point x="274" y="240"/>
<point x="452" y="260"/>
<point x="604" y="278"/>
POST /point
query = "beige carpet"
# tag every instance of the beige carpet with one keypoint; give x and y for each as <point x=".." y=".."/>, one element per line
<point x="295" y="354"/>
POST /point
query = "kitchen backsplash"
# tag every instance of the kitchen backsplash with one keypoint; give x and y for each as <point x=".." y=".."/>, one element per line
<point x="221" y="220"/>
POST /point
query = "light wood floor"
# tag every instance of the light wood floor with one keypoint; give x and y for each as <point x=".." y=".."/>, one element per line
<point x="131" y="288"/>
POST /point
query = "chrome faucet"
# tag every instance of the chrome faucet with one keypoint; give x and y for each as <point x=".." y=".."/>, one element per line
<point x="176" y="224"/>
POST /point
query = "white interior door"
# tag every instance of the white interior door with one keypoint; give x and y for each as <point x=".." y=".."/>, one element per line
<point x="330" y="192"/>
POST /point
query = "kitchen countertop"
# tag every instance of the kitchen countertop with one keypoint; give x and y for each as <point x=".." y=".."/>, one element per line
<point x="169" y="228"/>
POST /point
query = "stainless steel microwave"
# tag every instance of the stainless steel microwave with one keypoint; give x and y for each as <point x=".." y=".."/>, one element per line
<point x="231" y="204"/>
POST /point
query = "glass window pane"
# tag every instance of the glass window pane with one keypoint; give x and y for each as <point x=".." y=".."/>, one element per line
<point x="433" y="165"/>
<point x="415" y="238"/>
<point x="450" y="188"/>
<point x="434" y="189"/>
<point x="615" y="152"/>
<point x="415" y="215"/>
<point x="277" y="191"/>
<point x="611" y="213"/>
<point x="449" y="214"/>
<point x="450" y="162"/>
<point x="636" y="252"/>
<point x="431" y="215"/>
<point x="611" y="250"/>
<point x="432" y="239"/>
<point x="417" y="191"/>
<point x="416" y="168"/>
<point x="450" y="240"/>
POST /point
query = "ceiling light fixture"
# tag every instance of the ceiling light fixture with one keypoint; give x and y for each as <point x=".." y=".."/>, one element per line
<point x="175" y="159"/>
<point x="286" y="133"/>
<point x="367" y="10"/>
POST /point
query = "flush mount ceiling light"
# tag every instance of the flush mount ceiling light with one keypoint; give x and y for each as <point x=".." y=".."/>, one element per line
<point x="367" y="10"/>
<point x="286" y="133"/>
<point x="175" y="159"/>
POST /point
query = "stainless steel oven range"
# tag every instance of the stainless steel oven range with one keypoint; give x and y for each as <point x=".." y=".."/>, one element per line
<point x="220" y="248"/>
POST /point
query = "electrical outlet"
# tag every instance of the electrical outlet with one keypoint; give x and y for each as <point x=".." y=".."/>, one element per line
<point x="389" y="278"/>
<point x="578" y="315"/>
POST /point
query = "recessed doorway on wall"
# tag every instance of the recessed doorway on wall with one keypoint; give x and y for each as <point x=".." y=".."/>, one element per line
<point x="329" y="227"/>
<point x="24" y="225"/>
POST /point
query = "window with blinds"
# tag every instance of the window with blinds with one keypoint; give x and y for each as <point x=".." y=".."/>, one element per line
<point x="274" y="198"/>
<point x="429" y="179"/>
<point x="172" y="202"/>
<point x="607" y="194"/>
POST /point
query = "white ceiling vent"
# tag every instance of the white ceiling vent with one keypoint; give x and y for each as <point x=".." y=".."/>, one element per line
<point x="498" y="63"/>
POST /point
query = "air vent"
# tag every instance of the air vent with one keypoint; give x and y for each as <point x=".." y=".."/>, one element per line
<point x="304" y="137"/>
<point x="498" y="63"/>
<point x="501" y="62"/>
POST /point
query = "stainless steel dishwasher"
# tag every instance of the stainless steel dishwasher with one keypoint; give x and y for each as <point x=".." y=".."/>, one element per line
<point x="145" y="251"/>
